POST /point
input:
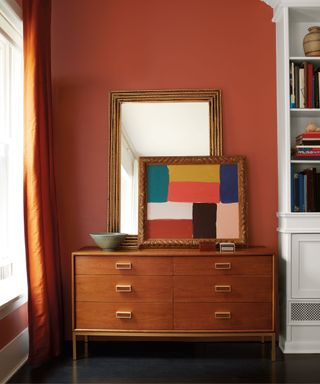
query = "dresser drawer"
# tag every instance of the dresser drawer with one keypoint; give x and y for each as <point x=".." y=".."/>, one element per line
<point x="133" y="316"/>
<point x="110" y="288"/>
<point x="222" y="288"/>
<point x="224" y="265"/>
<point x="223" y="316"/>
<point x="122" y="265"/>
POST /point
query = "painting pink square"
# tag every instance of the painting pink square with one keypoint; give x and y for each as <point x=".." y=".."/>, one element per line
<point x="194" y="192"/>
<point x="228" y="221"/>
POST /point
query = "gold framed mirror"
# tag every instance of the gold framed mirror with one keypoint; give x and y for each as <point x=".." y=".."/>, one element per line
<point x="155" y="123"/>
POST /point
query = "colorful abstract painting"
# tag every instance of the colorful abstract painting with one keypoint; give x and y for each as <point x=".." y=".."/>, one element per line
<point x="192" y="201"/>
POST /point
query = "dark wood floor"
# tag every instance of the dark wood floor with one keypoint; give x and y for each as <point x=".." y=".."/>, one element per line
<point x="165" y="362"/>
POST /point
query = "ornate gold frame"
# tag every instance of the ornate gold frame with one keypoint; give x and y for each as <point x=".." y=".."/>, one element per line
<point x="165" y="243"/>
<point x="213" y="96"/>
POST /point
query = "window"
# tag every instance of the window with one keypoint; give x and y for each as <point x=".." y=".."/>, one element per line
<point x="12" y="249"/>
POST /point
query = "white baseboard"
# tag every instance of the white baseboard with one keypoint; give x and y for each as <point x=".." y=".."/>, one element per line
<point x="14" y="355"/>
<point x="299" y="347"/>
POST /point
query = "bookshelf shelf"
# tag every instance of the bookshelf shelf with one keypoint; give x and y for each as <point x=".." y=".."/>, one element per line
<point x="301" y="59"/>
<point x="305" y="161"/>
<point x="298" y="180"/>
<point x="305" y="112"/>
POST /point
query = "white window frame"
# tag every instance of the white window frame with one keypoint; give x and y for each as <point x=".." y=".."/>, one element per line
<point x="13" y="290"/>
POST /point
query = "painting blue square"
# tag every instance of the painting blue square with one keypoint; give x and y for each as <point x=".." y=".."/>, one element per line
<point x="157" y="183"/>
<point x="229" y="183"/>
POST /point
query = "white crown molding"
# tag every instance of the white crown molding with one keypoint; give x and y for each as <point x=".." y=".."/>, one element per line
<point x="292" y="3"/>
<point x="272" y="3"/>
<point x="278" y="5"/>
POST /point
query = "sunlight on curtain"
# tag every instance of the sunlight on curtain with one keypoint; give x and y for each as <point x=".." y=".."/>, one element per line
<point x="42" y="245"/>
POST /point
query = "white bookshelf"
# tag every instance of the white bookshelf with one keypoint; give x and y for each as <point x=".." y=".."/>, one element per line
<point x="299" y="232"/>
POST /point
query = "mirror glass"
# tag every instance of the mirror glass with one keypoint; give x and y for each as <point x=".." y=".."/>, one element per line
<point x="155" y="123"/>
<point x="157" y="129"/>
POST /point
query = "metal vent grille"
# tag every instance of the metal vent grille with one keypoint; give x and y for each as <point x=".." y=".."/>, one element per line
<point x="305" y="312"/>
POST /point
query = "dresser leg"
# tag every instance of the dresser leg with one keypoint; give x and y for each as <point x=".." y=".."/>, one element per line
<point x="86" y="339"/>
<point x="74" y="347"/>
<point x="262" y="339"/>
<point x="273" y="347"/>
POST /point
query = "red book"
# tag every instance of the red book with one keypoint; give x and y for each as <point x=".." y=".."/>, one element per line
<point x="305" y="88"/>
<point x="308" y="135"/>
<point x="307" y="154"/>
<point x="310" y="85"/>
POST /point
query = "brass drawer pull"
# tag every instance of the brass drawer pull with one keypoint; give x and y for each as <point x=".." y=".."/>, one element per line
<point x="121" y="265"/>
<point x="123" y="288"/>
<point x="222" y="265"/>
<point x="222" y="288"/>
<point x="123" y="315"/>
<point x="222" y="315"/>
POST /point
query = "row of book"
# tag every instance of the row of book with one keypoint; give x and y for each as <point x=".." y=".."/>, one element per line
<point x="305" y="190"/>
<point x="307" y="146"/>
<point x="304" y="85"/>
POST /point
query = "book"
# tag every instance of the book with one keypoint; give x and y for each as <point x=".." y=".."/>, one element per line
<point x="310" y="150"/>
<point x="306" y="153"/>
<point x="309" y="142"/>
<point x="292" y="92"/>
<point x="317" y="192"/>
<point x="305" y="84"/>
<point x="309" y="135"/>
<point x="315" y="90"/>
<point x="318" y="82"/>
<point x="296" y="85"/>
<point x="301" y="87"/>
<point x="296" y="192"/>
<point x="292" y="187"/>
<point x="311" y="175"/>
<point x="308" y="138"/>
<point x="306" y="157"/>
<point x="309" y="89"/>
<point x="302" y="207"/>
<point x="305" y="190"/>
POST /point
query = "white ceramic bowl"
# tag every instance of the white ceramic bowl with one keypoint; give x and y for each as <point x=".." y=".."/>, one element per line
<point x="108" y="241"/>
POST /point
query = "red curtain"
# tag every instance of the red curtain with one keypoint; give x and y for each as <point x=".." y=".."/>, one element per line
<point x="43" y="266"/>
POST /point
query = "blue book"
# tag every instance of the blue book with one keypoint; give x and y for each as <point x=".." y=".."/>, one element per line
<point x="296" y="193"/>
<point x="305" y="192"/>
<point x="302" y="207"/>
<point x="292" y="188"/>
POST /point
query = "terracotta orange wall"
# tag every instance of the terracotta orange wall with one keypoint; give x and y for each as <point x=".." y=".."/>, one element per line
<point x="13" y="324"/>
<point x="104" y="45"/>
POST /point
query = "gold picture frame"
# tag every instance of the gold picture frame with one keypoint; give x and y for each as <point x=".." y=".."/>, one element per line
<point x="185" y="200"/>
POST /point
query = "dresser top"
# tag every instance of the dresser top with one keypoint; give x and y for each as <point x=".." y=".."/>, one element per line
<point x="250" y="251"/>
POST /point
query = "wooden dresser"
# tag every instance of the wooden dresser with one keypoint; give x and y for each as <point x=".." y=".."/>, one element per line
<point x="174" y="293"/>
